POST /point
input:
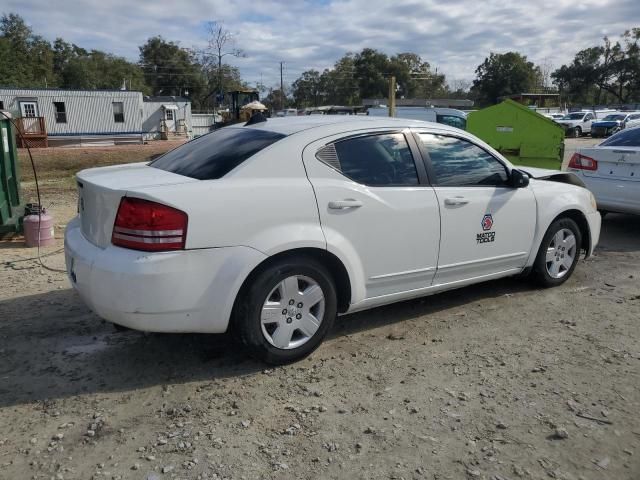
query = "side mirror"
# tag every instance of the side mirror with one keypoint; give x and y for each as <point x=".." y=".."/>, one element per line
<point x="518" y="179"/>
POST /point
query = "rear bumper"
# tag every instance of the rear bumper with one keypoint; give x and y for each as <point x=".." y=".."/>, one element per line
<point x="615" y="195"/>
<point x="182" y="291"/>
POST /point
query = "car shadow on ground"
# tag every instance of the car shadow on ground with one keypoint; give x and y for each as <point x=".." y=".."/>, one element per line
<point x="52" y="346"/>
<point x="620" y="233"/>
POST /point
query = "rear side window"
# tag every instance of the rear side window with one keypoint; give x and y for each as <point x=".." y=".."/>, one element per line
<point x="215" y="154"/>
<point x="626" y="138"/>
<point x="376" y="160"/>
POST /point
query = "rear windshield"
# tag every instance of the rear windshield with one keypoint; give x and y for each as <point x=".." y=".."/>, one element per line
<point x="625" y="138"/>
<point x="215" y="154"/>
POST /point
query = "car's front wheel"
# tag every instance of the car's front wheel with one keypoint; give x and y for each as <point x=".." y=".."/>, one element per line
<point x="558" y="253"/>
<point x="287" y="310"/>
<point x="577" y="132"/>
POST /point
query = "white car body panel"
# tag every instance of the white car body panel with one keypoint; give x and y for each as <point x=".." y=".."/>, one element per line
<point x="461" y="253"/>
<point x="398" y="254"/>
<point x="277" y="201"/>
<point x="616" y="182"/>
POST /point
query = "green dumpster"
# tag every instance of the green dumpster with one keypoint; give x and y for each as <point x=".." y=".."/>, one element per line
<point x="522" y="134"/>
<point x="10" y="208"/>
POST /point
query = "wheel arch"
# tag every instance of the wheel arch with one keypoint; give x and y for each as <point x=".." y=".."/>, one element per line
<point x="335" y="266"/>
<point x="581" y="220"/>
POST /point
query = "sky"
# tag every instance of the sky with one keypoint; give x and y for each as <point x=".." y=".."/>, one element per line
<point x="455" y="36"/>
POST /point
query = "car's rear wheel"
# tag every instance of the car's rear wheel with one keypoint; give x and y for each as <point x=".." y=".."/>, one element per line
<point x="577" y="132"/>
<point x="287" y="310"/>
<point x="558" y="254"/>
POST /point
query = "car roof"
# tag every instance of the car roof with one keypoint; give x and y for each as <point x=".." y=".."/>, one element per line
<point x="292" y="125"/>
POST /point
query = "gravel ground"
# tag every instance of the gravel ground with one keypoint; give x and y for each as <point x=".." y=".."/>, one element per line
<point x="494" y="381"/>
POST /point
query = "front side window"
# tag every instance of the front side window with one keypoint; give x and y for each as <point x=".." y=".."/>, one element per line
<point x="376" y="160"/>
<point x="61" y="112"/>
<point x="460" y="163"/>
<point x="168" y="114"/>
<point x="215" y="154"/>
<point x="118" y="112"/>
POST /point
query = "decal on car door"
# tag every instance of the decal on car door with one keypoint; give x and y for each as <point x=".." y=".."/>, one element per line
<point x="486" y="224"/>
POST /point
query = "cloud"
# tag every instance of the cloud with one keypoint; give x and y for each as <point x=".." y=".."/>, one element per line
<point x="453" y="36"/>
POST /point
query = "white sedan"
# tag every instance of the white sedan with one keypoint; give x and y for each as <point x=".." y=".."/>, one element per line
<point x="611" y="170"/>
<point x="276" y="227"/>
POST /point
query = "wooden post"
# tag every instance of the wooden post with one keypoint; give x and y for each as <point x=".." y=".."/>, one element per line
<point x="392" y="96"/>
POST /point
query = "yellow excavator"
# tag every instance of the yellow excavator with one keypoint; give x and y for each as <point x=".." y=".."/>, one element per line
<point x="244" y="104"/>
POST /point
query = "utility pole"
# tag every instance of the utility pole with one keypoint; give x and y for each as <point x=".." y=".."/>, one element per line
<point x="392" y="96"/>
<point x="281" y="88"/>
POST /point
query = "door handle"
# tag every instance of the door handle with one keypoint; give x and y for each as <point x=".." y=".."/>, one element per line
<point x="344" y="204"/>
<point x="456" y="201"/>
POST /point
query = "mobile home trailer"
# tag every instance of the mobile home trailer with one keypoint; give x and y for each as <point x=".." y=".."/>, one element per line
<point x="67" y="117"/>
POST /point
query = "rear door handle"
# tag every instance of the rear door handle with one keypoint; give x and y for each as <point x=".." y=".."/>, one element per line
<point x="456" y="201"/>
<point x="344" y="204"/>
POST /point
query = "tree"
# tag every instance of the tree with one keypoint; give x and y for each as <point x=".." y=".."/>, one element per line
<point x="504" y="74"/>
<point x="340" y="84"/>
<point x="171" y="70"/>
<point x="25" y="59"/>
<point x="308" y="89"/>
<point x="601" y="74"/>
<point x="221" y="43"/>
<point x="372" y="70"/>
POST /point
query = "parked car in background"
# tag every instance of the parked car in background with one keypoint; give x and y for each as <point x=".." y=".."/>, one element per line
<point x="447" y="116"/>
<point x="633" y="122"/>
<point x="613" y="123"/>
<point x="554" y="116"/>
<point x="577" y="124"/>
<point x="276" y="227"/>
<point x="611" y="170"/>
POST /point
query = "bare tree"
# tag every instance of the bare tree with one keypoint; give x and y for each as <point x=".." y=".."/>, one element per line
<point x="546" y="68"/>
<point x="221" y="43"/>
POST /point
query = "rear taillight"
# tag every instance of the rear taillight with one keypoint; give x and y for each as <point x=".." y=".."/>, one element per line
<point x="582" y="162"/>
<point x="149" y="226"/>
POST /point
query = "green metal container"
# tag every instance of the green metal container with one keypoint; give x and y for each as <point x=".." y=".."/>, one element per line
<point x="11" y="209"/>
<point x="513" y="129"/>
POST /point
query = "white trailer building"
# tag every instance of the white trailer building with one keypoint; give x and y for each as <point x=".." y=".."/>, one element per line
<point x="166" y="117"/>
<point x="57" y="117"/>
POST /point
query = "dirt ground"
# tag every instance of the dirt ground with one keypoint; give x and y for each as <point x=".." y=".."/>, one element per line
<point x="495" y="381"/>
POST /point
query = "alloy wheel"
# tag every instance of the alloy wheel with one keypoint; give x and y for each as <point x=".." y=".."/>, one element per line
<point x="561" y="253"/>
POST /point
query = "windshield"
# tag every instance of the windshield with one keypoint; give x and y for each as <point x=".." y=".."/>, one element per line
<point x="611" y="118"/>
<point x="574" y="116"/>
<point x="215" y="154"/>
<point x="625" y="138"/>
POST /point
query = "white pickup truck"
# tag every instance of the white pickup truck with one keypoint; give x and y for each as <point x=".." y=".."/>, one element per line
<point x="579" y="123"/>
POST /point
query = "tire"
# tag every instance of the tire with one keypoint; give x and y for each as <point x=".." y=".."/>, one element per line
<point x="577" y="132"/>
<point x="552" y="266"/>
<point x="269" y="296"/>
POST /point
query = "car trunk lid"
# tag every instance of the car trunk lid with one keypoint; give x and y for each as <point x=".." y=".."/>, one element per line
<point x="101" y="189"/>
<point x="620" y="163"/>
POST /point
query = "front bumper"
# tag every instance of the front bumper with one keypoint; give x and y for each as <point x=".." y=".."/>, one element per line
<point x="180" y="291"/>
<point x="594" y="220"/>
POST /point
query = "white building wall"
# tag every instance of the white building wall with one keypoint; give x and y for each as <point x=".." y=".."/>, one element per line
<point x="88" y="112"/>
<point x="153" y="114"/>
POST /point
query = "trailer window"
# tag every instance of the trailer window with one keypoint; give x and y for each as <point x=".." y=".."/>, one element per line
<point x="118" y="112"/>
<point x="215" y="154"/>
<point x="61" y="112"/>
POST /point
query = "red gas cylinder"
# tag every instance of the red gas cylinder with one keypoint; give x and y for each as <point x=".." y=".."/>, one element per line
<point x="46" y="230"/>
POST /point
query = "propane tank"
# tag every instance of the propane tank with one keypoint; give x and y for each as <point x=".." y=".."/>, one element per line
<point x="45" y="222"/>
